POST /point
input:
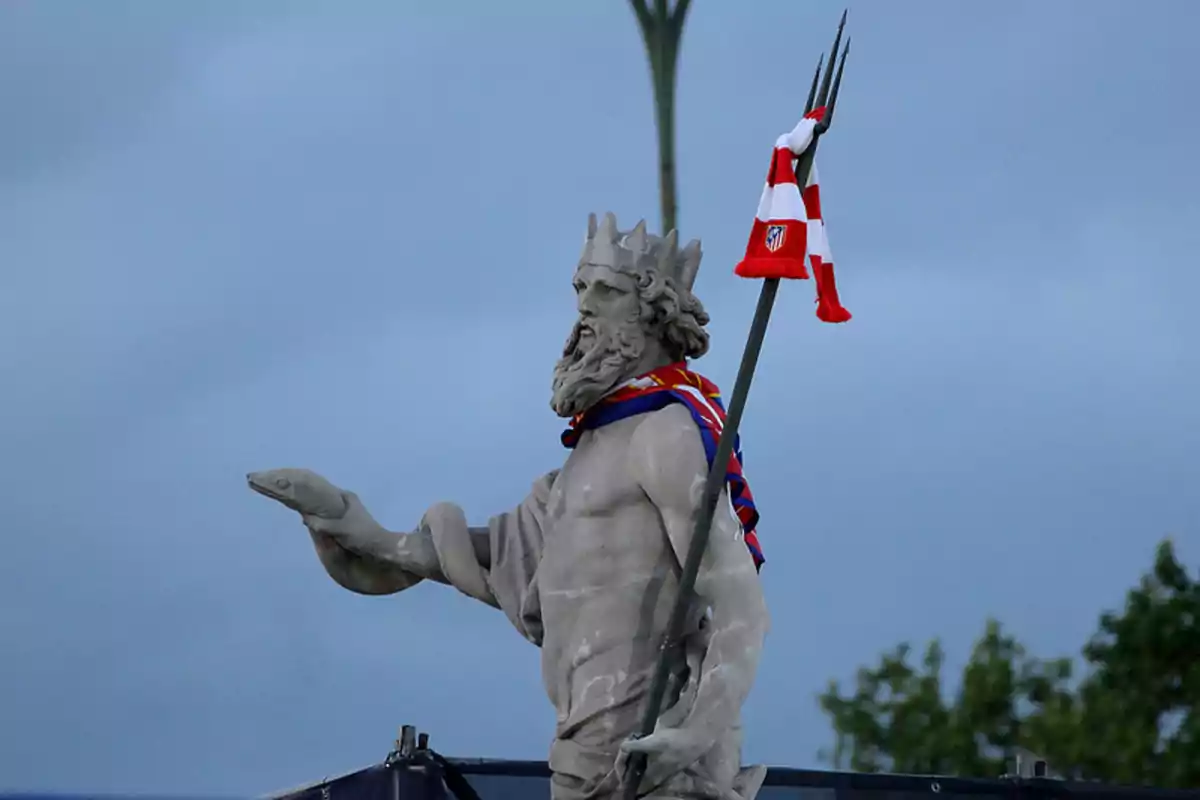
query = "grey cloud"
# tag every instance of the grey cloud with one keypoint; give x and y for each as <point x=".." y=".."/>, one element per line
<point x="340" y="238"/>
<point x="79" y="78"/>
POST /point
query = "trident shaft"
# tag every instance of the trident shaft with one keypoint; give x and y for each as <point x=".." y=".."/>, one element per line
<point x="825" y="96"/>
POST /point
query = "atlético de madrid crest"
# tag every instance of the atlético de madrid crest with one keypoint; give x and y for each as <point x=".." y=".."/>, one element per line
<point x="775" y="236"/>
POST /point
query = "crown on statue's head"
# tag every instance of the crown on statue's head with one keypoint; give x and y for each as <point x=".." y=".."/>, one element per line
<point x="636" y="251"/>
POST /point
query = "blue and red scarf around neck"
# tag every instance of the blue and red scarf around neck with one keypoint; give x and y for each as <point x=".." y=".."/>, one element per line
<point x="657" y="389"/>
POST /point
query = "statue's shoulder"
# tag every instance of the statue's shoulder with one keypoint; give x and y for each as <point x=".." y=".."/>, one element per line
<point x="668" y="437"/>
<point x="671" y="419"/>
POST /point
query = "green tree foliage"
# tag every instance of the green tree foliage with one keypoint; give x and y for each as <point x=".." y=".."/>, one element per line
<point x="662" y="29"/>
<point x="1131" y="716"/>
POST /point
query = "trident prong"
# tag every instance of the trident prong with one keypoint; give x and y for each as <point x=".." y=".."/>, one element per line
<point x="837" y="42"/>
<point x="829" y="87"/>
<point x="812" y="90"/>
<point x="837" y="84"/>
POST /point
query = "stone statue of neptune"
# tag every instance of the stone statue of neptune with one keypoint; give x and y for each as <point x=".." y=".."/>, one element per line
<point x="587" y="566"/>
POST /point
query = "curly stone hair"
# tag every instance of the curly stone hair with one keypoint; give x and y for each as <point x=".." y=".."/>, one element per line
<point x="673" y="313"/>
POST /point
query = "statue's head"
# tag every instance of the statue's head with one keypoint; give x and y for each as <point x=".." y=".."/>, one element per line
<point x="636" y="312"/>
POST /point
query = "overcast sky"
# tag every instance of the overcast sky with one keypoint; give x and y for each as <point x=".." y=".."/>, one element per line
<point x="340" y="235"/>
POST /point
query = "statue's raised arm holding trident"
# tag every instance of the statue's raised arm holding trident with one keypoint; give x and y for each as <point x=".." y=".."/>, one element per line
<point x="634" y="567"/>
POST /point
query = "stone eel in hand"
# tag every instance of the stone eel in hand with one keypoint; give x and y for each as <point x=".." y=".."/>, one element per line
<point x="300" y="490"/>
<point x="315" y="499"/>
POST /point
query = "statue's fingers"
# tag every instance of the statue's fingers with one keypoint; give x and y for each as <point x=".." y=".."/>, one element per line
<point x="646" y="744"/>
<point x="350" y="502"/>
<point x="319" y="524"/>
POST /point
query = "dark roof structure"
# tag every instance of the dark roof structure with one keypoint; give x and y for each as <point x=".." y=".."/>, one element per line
<point x="425" y="775"/>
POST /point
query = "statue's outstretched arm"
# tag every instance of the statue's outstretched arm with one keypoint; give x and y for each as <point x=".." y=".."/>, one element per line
<point x="494" y="564"/>
<point x="357" y="552"/>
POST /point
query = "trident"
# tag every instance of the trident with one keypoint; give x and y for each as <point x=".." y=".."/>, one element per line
<point x="827" y="96"/>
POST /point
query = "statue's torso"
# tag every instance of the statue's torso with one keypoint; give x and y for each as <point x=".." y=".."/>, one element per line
<point x="607" y="580"/>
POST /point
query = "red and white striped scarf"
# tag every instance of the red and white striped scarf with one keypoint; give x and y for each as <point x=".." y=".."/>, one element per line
<point x="789" y="225"/>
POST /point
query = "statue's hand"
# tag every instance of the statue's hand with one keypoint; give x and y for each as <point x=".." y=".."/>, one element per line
<point x="357" y="552"/>
<point x="354" y="529"/>
<point x="668" y="751"/>
<point x="325" y="509"/>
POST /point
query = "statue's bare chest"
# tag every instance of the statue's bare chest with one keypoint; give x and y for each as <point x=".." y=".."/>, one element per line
<point x="601" y="524"/>
<point x="596" y="478"/>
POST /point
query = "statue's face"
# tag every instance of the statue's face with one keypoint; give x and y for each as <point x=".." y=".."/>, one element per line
<point x="606" y="342"/>
<point x="605" y="294"/>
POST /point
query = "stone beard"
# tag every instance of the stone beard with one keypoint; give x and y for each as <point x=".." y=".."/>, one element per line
<point x="598" y="355"/>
